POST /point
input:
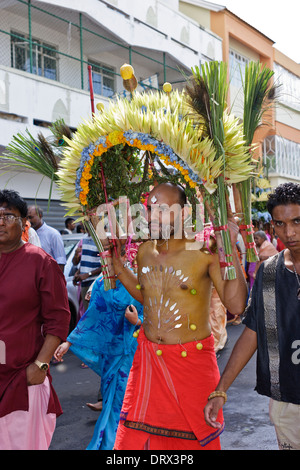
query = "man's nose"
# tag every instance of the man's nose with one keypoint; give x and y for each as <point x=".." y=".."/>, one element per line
<point x="290" y="230"/>
<point x="154" y="214"/>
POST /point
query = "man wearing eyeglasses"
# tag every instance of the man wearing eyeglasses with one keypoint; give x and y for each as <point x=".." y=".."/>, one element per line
<point x="34" y="319"/>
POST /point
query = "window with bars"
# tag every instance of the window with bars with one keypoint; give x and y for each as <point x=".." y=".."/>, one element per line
<point x="289" y="87"/>
<point x="237" y="65"/>
<point x="41" y="58"/>
<point x="281" y="156"/>
<point x="103" y="77"/>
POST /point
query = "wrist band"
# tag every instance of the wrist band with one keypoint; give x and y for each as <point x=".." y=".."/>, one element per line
<point x="226" y="265"/>
<point x="137" y="322"/>
<point x="105" y="254"/>
<point x="218" y="393"/>
<point x="220" y="228"/>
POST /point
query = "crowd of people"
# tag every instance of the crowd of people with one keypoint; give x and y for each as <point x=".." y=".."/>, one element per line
<point x="154" y="339"/>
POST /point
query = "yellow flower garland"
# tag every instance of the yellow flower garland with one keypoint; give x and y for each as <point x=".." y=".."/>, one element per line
<point x="160" y="116"/>
<point x="116" y="138"/>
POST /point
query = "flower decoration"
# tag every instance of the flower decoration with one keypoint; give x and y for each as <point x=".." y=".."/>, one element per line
<point x="136" y="140"/>
<point x="157" y="124"/>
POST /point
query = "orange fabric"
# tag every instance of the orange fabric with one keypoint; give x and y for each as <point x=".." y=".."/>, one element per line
<point x="166" y="395"/>
<point x="25" y="233"/>
<point x="241" y="263"/>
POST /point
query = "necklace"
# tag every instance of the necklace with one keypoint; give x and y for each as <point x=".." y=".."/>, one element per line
<point x="297" y="277"/>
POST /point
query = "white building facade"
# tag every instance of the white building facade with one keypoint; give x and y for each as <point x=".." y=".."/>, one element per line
<point x="45" y="50"/>
<point x="47" y="45"/>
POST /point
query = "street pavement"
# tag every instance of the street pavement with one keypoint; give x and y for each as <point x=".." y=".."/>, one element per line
<point x="248" y="426"/>
<point x="246" y="413"/>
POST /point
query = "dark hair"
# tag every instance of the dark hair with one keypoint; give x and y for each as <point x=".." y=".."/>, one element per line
<point x="68" y="220"/>
<point x="287" y="193"/>
<point x="13" y="200"/>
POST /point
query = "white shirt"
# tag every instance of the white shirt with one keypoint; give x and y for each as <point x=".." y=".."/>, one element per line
<point x="33" y="237"/>
<point x="52" y="242"/>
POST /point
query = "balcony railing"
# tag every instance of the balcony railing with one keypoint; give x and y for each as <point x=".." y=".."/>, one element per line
<point x="57" y="43"/>
<point x="281" y="157"/>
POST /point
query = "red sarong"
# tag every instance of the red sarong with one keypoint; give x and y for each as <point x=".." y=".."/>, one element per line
<point x="166" y="395"/>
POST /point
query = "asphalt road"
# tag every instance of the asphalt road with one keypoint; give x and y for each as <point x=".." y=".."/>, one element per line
<point x="246" y="415"/>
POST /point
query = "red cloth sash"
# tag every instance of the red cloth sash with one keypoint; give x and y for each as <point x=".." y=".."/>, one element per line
<point x="166" y="394"/>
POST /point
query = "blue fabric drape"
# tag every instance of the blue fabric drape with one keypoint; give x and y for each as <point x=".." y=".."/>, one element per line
<point x="103" y="340"/>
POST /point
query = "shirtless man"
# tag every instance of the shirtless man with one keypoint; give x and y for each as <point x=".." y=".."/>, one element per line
<point x="175" y="367"/>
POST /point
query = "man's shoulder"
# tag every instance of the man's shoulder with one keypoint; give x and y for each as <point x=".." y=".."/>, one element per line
<point x="146" y="245"/>
<point x="35" y="252"/>
<point x="88" y="240"/>
<point x="268" y="269"/>
<point x="50" y="229"/>
<point x="271" y="262"/>
<point x="37" y="256"/>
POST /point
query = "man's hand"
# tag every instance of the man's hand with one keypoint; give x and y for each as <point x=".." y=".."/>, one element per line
<point x="233" y="231"/>
<point x="62" y="350"/>
<point x="118" y="254"/>
<point x="131" y="314"/>
<point x="79" y="277"/>
<point x="35" y="376"/>
<point x="211" y="411"/>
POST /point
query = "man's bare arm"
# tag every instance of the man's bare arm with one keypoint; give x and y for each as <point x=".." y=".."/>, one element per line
<point x="233" y="293"/>
<point x="36" y="376"/>
<point x="242" y="352"/>
<point x="130" y="282"/>
<point x="125" y="275"/>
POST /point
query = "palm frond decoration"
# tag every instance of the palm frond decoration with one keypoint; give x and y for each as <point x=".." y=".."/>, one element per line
<point x="25" y="151"/>
<point x="60" y="130"/>
<point x="41" y="154"/>
<point x="207" y="96"/>
<point x="199" y="102"/>
<point x="187" y="137"/>
<point x="259" y="95"/>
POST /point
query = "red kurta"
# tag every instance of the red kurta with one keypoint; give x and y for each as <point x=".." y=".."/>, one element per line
<point x="33" y="303"/>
